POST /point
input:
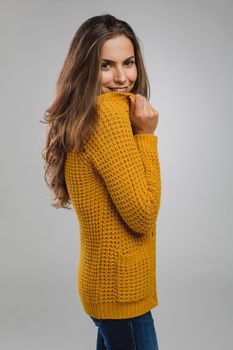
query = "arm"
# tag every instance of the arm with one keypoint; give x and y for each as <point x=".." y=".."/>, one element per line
<point x="128" y="164"/>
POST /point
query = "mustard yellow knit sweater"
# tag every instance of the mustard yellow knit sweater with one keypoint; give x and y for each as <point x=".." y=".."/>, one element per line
<point x="115" y="189"/>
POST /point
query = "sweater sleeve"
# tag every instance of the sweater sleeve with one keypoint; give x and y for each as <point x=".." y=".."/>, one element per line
<point x="128" y="164"/>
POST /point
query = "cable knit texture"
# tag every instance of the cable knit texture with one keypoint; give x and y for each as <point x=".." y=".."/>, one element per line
<point x="115" y="189"/>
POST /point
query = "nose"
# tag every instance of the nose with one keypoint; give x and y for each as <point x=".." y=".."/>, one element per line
<point x="120" y="76"/>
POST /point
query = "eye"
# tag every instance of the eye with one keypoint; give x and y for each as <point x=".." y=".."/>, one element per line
<point x="130" y="62"/>
<point x="104" y="65"/>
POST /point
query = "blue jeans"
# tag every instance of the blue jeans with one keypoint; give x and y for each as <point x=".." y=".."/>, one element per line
<point x="126" y="334"/>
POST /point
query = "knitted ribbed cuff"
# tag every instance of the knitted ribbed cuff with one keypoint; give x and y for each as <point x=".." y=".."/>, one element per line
<point x="147" y="141"/>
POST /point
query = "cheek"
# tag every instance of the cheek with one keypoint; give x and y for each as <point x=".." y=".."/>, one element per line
<point x="105" y="77"/>
<point x="133" y="73"/>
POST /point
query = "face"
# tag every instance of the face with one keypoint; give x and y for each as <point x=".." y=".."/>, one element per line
<point x="118" y="68"/>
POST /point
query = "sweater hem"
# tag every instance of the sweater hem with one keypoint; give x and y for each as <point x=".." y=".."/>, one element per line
<point x="119" y="310"/>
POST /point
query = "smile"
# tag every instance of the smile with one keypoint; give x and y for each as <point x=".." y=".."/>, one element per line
<point x="119" y="89"/>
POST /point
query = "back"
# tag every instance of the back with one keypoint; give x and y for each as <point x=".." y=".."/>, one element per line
<point x="115" y="189"/>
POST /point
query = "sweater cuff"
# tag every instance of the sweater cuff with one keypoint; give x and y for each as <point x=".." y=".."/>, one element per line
<point x="146" y="141"/>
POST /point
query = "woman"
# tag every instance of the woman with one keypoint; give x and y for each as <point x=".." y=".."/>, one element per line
<point x="101" y="157"/>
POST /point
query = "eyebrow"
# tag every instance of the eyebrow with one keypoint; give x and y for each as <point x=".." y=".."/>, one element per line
<point x="106" y="60"/>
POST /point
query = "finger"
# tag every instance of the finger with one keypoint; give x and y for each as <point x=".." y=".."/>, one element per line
<point x="131" y="100"/>
<point x="139" y="104"/>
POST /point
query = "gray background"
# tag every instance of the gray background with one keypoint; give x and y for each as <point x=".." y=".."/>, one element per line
<point x="187" y="48"/>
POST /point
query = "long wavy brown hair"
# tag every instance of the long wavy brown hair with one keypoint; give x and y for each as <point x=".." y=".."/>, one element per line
<point x="72" y="116"/>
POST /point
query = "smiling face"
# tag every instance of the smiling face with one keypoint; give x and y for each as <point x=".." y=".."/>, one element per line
<point x="118" y="67"/>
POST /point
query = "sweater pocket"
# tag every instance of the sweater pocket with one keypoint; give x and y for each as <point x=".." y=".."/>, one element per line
<point x="134" y="275"/>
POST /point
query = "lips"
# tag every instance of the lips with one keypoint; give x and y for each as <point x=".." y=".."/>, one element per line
<point x="119" y="88"/>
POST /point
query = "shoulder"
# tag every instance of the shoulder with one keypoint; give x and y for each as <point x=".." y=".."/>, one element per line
<point x="113" y="120"/>
<point x="113" y="115"/>
<point x="111" y="101"/>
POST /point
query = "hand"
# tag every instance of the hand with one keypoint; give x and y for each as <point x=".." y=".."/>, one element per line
<point x="143" y="117"/>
